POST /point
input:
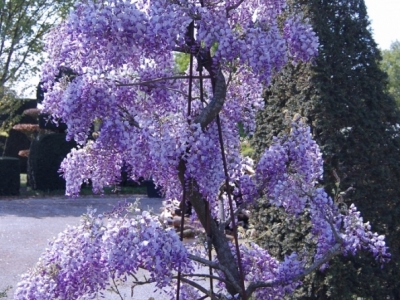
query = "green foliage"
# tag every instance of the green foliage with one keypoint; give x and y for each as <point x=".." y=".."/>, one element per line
<point x="245" y="148"/>
<point x="281" y="234"/>
<point x="11" y="112"/>
<point x="9" y="176"/>
<point x="182" y="61"/>
<point x="342" y="96"/>
<point x="23" y="24"/>
<point x="8" y="110"/>
<point x="391" y="65"/>
<point x="3" y="140"/>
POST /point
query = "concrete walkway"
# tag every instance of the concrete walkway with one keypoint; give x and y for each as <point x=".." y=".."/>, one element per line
<point x="26" y="225"/>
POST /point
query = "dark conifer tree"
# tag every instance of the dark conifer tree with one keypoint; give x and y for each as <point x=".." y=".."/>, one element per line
<point x="343" y="97"/>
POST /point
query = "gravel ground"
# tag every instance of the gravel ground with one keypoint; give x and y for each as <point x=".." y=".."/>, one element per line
<point x="26" y="225"/>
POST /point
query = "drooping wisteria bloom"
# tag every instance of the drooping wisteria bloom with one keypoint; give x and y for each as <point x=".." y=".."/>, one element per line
<point x="288" y="175"/>
<point x="120" y="52"/>
<point x="127" y="104"/>
<point x="83" y="259"/>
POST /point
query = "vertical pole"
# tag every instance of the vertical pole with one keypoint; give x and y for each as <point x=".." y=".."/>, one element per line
<point x="183" y="201"/>
<point x="235" y="235"/>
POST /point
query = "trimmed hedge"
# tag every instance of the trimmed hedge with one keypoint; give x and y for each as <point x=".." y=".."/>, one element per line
<point x="3" y="140"/>
<point x="9" y="176"/>
<point x="45" y="157"/>
<point x="16" y="142"/>
<point x="152" y="190"/>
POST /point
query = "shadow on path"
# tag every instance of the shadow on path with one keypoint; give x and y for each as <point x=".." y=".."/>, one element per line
<point x="70" y="207"/>
<point x="26" y="225"/>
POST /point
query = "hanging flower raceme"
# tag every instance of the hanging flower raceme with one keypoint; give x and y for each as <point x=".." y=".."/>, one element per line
<point x="288" y="175"/>
<point x="83" y="259"/>
<point x="127" y="105"/>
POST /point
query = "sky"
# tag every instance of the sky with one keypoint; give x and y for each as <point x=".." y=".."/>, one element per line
<point x="385" y="21"/>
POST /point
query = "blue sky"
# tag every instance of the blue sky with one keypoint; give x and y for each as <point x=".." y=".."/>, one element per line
<point x="385" y="21"/>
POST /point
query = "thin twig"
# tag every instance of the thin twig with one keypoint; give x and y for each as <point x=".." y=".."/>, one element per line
<point x="131" y="119"/>
<point x="335" y="233"/>
<point x="217" y="266"/>
<point x="234" y="227"/>
<point x="235" y="213"/>
<point x="199" y="287"/>
<point x="116" y="288"/>
<point x="207" y="276"/>
<point x="160" y="79"/>
<point x="141" y="282"/>
<point x="232" y="7"/>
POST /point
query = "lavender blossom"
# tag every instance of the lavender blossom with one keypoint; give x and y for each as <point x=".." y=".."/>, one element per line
<point x="83" y="259"/>
<point x="123" y="54"/>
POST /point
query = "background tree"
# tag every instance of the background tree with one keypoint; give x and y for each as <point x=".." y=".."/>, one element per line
<point x="342" y="97"/>
<point x="8" y="106"/>
<point x="23" y="24"/>
<point x="391" y="65"/>
<point x="181" y="128"/>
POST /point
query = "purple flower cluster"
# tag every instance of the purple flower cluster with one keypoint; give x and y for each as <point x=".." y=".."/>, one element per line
<point x="288" y="175"/>
<point x="83" y="259"/>
<point x="289" y="170"/>
<point x="102" y="166"/>
<point x="119" y="50"/>
<point x="127" y="85"/>
<point x="302" y="40"/>
<point x="358" y="235"/>
<point x="260" y="266"/>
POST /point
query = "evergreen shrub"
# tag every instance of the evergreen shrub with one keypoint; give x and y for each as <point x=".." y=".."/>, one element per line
<point x="16" y="142"/>
<point x="342" y="96"/>
<point x="9" y="176"/>
<point x="3" y="140"/>
<point x="45" y="157"/>
<point x="152" y="190"/>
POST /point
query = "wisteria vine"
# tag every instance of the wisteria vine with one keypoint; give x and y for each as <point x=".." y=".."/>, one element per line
<point x="127" y="105"/>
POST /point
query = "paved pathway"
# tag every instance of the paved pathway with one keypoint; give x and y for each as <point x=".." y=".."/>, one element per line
<point x="27" y="224"/>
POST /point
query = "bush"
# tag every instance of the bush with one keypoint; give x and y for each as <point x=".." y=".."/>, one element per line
<point x="12" y="113"/>
<point x="16" y="142"/>
<point x="45" y="157"/>
<point x="3" y="140"/>
<point x="152" y="190"/>
<point x="9" y="176"/>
